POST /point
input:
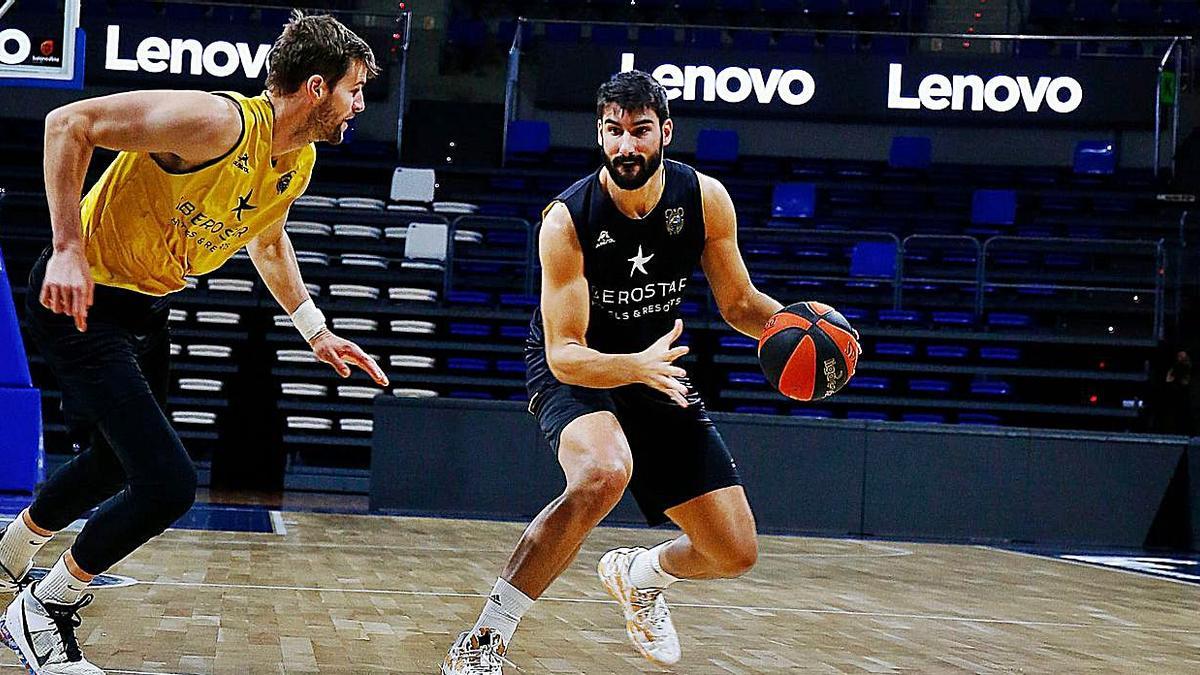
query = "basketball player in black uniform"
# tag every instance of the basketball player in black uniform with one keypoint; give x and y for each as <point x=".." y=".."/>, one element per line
<point x="618" y="250"/>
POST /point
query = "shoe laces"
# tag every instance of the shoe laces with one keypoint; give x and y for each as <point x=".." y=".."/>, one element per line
<point x="66" y="619"/>
<point x="484" y="659"/>
<point x="649" y="610"/>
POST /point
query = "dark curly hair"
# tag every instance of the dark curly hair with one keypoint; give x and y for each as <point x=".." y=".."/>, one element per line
<point x="315" y="45"/>
<point x="633" y="90"/>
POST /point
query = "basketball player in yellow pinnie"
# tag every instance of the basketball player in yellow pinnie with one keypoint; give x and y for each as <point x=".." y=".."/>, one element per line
<point x="199" y="176"/>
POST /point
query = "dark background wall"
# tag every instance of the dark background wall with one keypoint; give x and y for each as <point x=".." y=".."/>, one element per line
<point x="488" y="460"/>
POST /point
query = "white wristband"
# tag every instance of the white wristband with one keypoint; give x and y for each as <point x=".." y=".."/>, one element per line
<point x="308" y="320"/>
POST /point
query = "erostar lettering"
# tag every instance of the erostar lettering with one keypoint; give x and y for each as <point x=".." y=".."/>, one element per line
<point x="997" y="94"/>
<point x="618" y="303"/>
<point x="156" y="55"/>
<point x="208" y="232"/>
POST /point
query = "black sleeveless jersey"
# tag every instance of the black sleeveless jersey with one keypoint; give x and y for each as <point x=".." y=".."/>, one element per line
<point x="637" y="269"/>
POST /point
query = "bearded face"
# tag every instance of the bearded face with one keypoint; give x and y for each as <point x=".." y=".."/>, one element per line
<point x="633" y="143"/>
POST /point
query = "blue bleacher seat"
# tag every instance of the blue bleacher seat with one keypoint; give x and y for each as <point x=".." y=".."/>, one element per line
<point x="929" y="386"/>
<point x="900" y="316"/>
<point x="466" y="363"/>
<point x="756" y="409"/>
<point x="911" y="152"/>
<point x="1009" y="319"/>
<point x="476" y="395"/>
<point x="873" y="259"/>
<point x="794" y="200"/>
<point x="510" y="366"/>
<point x="528" y="137"/>
<point x="999" y="353"/>
<point x="467" y="329"/>
<point x="895" y="349"/>
<point x="994" y="207"/>
<point x="748" y="377"/>
<point x="519" y="332"/>
<point x="1095" y="157"/>
<point x="956" y="352"/>
<point x="737" y="342"/>
<point x="812" y="413"/>
<point x="978" y="418"/>
<point x="946" y="318"/>
<point x="855" y="314"/>
<point x="923" y="418"/>
<point x="867" y="415"/>
<point x="990" y="388"/>
<point x="468" y="298"/>
<point x="518" y="300"/>
<point x="717" y="146"/>
<point x="869" y="383"/>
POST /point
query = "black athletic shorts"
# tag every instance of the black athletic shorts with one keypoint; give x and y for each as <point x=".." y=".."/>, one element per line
<point x="677" y="453"/>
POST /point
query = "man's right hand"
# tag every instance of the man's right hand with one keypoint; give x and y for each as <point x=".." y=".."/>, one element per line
<point x="654" y="366"/>
<point x="68" y="286"/>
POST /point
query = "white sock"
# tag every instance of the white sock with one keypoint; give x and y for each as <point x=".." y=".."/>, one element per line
<point x="19" y="544"/>
<point x="646" y="570"/>
<point x="60" y="587"/>
<point x="503" y="610"/>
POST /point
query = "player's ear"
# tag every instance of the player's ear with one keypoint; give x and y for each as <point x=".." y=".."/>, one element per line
<point x="599" y="132"/>
<point x="668" y="132"/>
<point x="315" y="87"/>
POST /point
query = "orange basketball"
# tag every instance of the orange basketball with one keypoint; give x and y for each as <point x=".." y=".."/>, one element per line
<point x="808" y="351"/>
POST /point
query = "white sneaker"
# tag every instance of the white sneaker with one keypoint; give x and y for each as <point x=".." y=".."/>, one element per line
<point x="647" y="617"/>
<point x="481" y="653"/>
<point x="43" y="635"/>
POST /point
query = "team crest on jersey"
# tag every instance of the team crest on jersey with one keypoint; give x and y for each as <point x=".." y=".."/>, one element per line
<point x="674" y="220"/>
<point x="604" y="239"/>
<point x="284" y="181"/>
<point x="243" y="162"/>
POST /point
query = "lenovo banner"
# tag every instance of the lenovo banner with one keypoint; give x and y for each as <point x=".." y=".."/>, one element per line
<point x="195" y="55"/>
<point x="925" y="88"/>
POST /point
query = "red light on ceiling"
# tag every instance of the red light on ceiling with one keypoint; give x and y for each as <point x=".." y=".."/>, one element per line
<point x="1093" y="398"/>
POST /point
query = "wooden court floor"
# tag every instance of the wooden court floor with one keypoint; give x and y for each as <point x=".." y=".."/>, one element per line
<point x="360" y="594"/>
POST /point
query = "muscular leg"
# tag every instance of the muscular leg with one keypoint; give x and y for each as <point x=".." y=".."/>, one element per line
<point x="719" y="540"/>
<point x="595" y="457"/>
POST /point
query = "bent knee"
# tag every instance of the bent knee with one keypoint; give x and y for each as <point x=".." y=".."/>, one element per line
<point x="737" y="559"/>
<point x="601" y="484"/>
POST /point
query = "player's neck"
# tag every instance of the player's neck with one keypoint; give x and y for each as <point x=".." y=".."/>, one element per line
<point x="288" y="133"/>
<point x="637" y="203"/>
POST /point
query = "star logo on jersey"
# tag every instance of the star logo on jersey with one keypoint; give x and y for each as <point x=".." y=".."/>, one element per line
<point x="284" y="181"/>
<point x="639" y="262"/>
<point x="674" y="219"/>
<point x="604" y="239"/>
<point x="243" y="205"/>
<point x="243" y="162"/>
